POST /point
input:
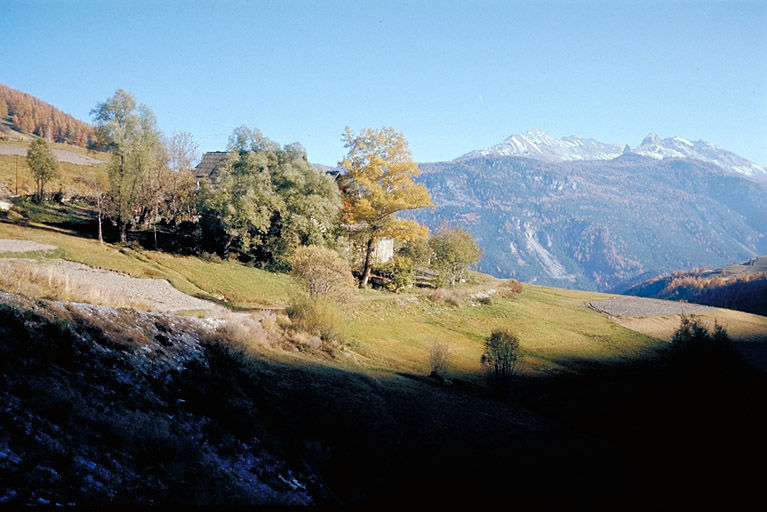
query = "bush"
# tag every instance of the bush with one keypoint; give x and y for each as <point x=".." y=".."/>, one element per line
<point x="316" y="315"/>
<point x="500" y="358"/>
<point x="400" y="271"/>
<point x="693" y="343"/>
<point x="322" y="272"/>
<point x="510" y="288"/>
<point x="451" y="297"/>
<point x="439" y="359"/>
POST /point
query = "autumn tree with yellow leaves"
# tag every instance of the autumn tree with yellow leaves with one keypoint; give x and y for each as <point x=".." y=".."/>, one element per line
<point x="378" y="183"/>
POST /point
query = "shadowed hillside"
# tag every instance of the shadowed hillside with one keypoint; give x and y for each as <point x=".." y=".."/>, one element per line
<point x="106" y="406"/>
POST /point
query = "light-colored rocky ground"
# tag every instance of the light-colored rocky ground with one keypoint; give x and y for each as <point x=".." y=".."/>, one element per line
<point x="62" y="155"/>
<point x="640" y="306"/>
<point x="157" y="294"/>
<point x="7" y="245"/>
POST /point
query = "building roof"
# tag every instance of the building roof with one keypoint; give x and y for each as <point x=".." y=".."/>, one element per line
<point x="209" y="163"/>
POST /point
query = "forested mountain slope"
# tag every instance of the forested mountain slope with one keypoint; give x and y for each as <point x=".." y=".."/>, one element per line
<point x="601" y="225"/>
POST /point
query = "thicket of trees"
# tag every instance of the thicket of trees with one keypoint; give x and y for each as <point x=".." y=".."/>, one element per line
<point x="744" y="292"/>
<point x="31" y="115"/>
<point x="267" y="200"/>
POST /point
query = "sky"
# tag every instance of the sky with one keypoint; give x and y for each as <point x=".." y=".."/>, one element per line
<point x="452" y="76"/>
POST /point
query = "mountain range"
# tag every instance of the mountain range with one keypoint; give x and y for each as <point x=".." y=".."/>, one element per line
<point x="579" y="213"/>
<point x="542" y="146"/>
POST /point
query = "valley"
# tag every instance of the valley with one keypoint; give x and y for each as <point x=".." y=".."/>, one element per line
<point x="189" y="364"/>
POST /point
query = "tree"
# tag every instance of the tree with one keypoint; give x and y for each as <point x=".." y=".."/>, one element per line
<point x="129" y="131"/>
<point x="500" y="358"/>
<point x="43" y="163"/>
<point x="269" y="200"/>
<point x="378" y="183"/>
<point x="693" y="343"/>
<point x="453" y="250"/>
<point x="180" y="184"/>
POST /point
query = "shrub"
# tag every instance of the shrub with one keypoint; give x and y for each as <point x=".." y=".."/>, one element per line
<point x="439" y="359"/>
<point x="693" y="343"/>
<point x="322" y="272"/>
<point x="400" y="271"/>
<point x="316" y="315"/>
<point x="500" y="358"/>
<point x="510" y="288"/>
<point x="452" y="297"/>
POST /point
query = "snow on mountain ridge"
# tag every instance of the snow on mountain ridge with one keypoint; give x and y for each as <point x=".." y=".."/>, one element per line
<point x="539" y="145"/>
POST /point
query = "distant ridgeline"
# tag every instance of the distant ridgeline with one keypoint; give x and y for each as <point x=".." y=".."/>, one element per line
<point x="27" y="114"/>
<point x="742" y="287"/>
<point x="573" y="214"/>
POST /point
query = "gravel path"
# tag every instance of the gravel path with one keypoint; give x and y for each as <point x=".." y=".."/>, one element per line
<point x="62" y="155"/>
<point x="158" y="294"/>
<point x="639" y="306"/>
<point x="23" y="246"/>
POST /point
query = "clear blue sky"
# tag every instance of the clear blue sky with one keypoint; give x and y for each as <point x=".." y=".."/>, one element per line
<point x="452" y="76"/>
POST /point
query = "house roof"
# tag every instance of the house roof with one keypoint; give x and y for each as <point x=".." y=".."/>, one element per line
<point x="209" y="163"/>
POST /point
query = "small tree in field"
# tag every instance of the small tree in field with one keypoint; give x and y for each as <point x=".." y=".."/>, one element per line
<point x="500" y="358"/>
<point x="44" y="165"/>
<point x="695" y="344"/>
<point x="453" y="250"/>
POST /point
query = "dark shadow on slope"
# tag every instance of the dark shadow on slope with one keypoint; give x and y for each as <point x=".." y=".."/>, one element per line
<point x="92" y="420"/>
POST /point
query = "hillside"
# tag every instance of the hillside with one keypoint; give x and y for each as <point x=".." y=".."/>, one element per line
<point x="738" y="286"/>
<point x="21" y="113"/>
<point x="108" y="405"/>
<point x="598" y="225"/>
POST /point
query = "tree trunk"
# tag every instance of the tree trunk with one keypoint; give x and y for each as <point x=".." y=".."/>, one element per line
<point x="225" y="252"/>
<point x="123" y="230"/>
<point x="101" y="232"/>
<point x="368" y="260"/>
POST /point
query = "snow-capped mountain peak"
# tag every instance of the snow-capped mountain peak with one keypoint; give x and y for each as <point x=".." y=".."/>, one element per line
<point x="539" y="145"/>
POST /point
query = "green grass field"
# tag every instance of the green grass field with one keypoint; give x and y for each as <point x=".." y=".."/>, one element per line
<point x="386" y="331"/>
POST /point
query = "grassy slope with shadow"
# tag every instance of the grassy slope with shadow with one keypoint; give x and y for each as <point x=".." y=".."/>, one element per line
<point x="596" y="413"/>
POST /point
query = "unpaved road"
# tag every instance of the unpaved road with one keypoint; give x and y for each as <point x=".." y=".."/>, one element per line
<point x="62" y="155"/>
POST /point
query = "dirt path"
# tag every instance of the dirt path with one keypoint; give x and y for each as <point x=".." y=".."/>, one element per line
<point x="156" y="294"/>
